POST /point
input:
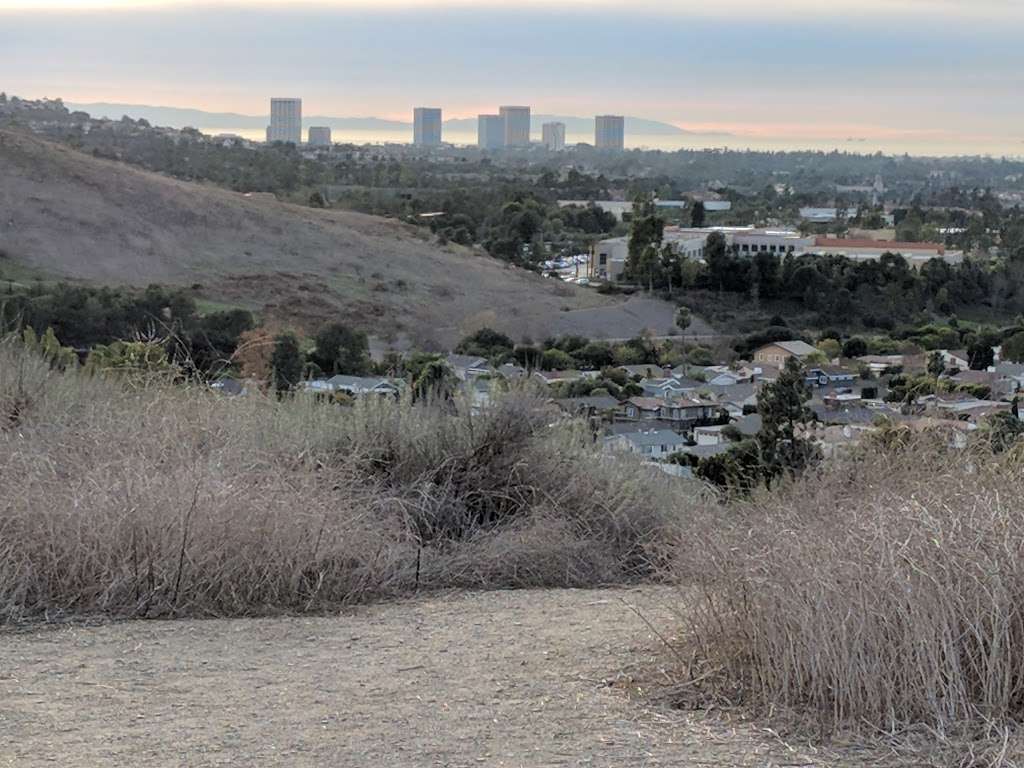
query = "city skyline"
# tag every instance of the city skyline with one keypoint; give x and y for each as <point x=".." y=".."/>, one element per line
<point x="813" y="75"/>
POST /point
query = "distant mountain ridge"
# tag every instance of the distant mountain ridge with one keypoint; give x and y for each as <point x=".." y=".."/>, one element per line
<point x="177" y="117"/>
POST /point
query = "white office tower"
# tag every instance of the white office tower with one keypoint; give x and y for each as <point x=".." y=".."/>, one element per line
<point x="610" y="132"/>
<point x="285" y="121"/>
<point x="490" y="132"/>
<point x="517" y="126"/>
<point x="553" y="135"/>
<point x="426" y="127"/>
<point x="319" y="136"/>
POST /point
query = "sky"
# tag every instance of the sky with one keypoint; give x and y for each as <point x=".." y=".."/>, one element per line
<point x="908" y="70"/>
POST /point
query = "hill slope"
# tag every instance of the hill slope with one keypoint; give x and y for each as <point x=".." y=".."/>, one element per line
<point x="67" y="214"/>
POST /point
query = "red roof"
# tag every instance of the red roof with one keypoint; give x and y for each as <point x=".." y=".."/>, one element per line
<point x="890" y="245"/>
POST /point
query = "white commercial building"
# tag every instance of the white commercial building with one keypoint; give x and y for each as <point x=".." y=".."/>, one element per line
<point x="610" y="255"/>
<point x="319" y="136"/>
<point x="827" y="215"/>
<point x="610" y="132"/>
<point x="426" y="127"/>
<point x="285" y="121"/>
<point x="490" y="132"/>
<point x="621" y="207"/>
<point x="916" y="254"/>
<point x="517" y="126"/>
<point x="553" y="136"/>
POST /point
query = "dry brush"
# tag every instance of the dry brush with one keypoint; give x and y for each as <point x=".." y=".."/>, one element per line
<point x="168" y="500"/>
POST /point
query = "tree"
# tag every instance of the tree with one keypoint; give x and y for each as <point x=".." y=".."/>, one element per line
<point x="556" y="360"/>
<point x="49" y="348"/>
<point x="1004" y="429"/>
<point x="936" y="364"/>
<point x="645" y="237"/>
<point x="830" y="348"/>
<point x="783" y="408"/>
<point x="434" y="381"/>
<point x="253" y="354"/>
<point x="486" y="343"/>
<point x="683" y="318"/>
<point x="855" y="347"/>
<point x="595" y="355"/>
<point x="215" y="340"/>
<point x="698" y="215"/>
<point x="136" y="362"/>
<point x="1013" y="348"/>
<point x="980" y="355"/>
<point x="286" y="363"/>
<point x="341" y="350"/>
<point x="717" y="258"/>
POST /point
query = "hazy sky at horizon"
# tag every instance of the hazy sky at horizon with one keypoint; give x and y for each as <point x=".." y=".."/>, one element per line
<point x="903" y="68"/>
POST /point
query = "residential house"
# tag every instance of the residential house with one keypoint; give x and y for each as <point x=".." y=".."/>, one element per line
<point x="880" y="364"/>
<point x="653" y="445"/>
<point x="589" y="407"/>
<point x="963" y="407"/>
<point x="684" y="413"/>
<point x="687" y="383"/>
<point x="357" y="385"/>
<point x="512" y="372"/>
<point x="468" y="367"/>
<point x="956" y="358"/>
<point x="667" y="388"/>
<point x="778" y="352"/>
<point x="835" y="440"/>
<point x="854" y="413"/>
<point x="229" y="386"/>
<point x="705" y="451"/>
<point x="723" y="375"/>
<point x="645" y="371"/>
<point x="735" y="399"/>
<point x="830" y="376"/>
<point x="1009" y="380"/>
<point x="841" y="398"/>
<point x="985" y="379"/>
<point x="712" y="435"/>
<point x="643" y="408"/>
<point x="726" y="379"/>
<point x="559" y="377"/>
<point x="765" y="372"/>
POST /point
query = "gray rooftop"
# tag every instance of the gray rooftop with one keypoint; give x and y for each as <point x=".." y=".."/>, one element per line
<point x="655" y="437"/>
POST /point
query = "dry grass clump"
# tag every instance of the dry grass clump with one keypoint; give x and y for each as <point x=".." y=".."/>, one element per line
<point x="172" y="501"/>
<point x="887" y="594"/>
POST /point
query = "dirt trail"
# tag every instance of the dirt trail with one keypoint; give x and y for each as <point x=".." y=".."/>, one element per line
<point x="531" y="678"/>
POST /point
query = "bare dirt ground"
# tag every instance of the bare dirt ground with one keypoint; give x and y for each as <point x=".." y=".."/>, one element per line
<point x="529" y="678"/>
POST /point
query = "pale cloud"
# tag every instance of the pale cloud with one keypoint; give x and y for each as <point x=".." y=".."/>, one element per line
<point x="977" y="10"/>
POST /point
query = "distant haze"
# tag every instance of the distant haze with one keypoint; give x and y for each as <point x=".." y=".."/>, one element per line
<point x="940" y="76"/>
<point x="640" y="132"/>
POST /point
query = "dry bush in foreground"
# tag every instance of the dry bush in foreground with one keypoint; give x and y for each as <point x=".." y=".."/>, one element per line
<point x="887" y="593"/>
<point x="168" y="500"/>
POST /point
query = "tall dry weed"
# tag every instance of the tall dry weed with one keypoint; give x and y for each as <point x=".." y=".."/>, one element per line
<point x="887" y="593"/>
<point x="169" y="500"/>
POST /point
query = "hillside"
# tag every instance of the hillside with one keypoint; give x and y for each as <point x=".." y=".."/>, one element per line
<point x="64" y="214"/>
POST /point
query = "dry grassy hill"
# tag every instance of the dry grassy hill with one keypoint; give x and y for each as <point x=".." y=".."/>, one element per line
<point x="66" y="214"/>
